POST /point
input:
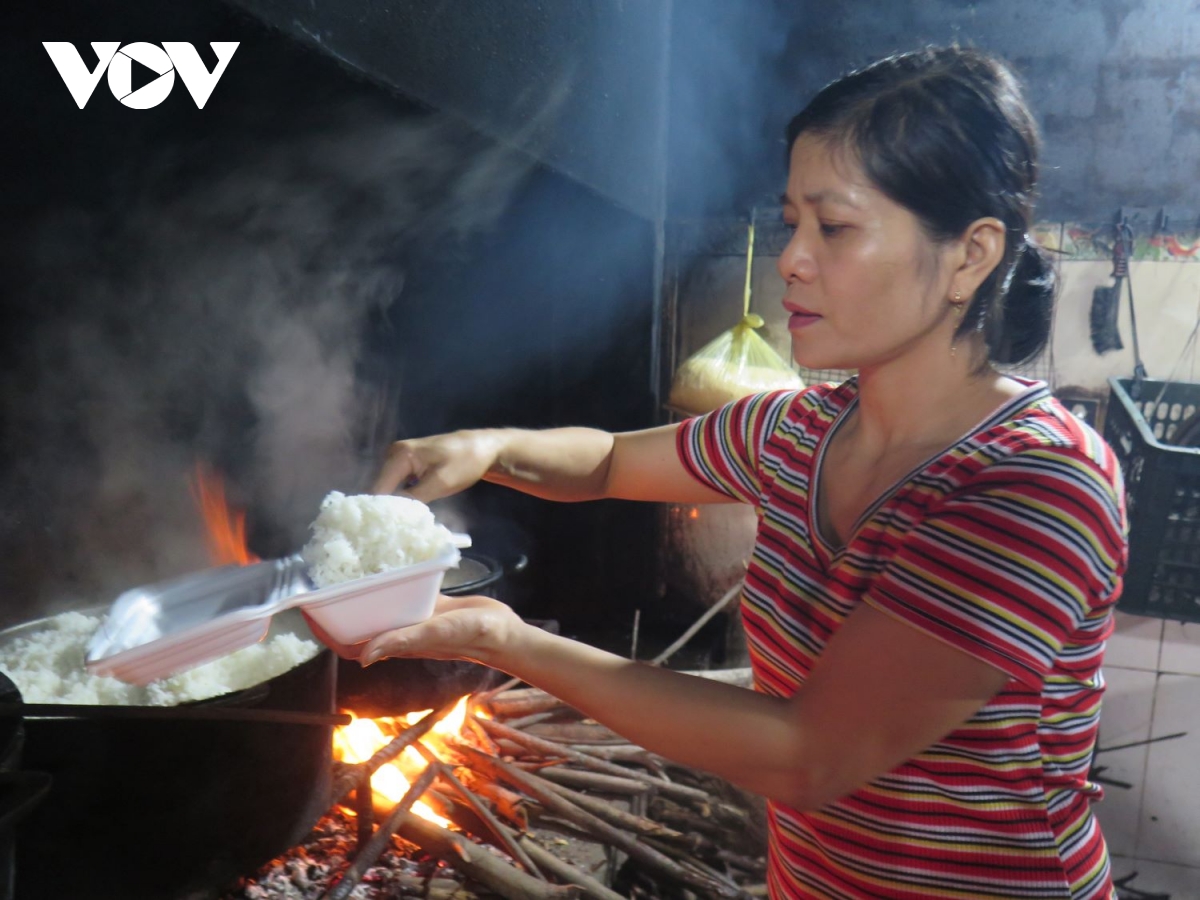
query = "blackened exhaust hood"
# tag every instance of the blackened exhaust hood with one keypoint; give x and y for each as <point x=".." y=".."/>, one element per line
<point x="581" y="86"/>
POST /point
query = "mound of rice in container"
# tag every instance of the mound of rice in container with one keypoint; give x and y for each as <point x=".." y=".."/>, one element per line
<point x="377" y="563"/>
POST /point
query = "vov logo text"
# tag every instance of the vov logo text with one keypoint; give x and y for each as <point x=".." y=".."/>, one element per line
<point x="117" y="61"/>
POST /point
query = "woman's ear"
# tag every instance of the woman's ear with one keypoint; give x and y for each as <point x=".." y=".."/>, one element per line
<point x="982" y="249"/>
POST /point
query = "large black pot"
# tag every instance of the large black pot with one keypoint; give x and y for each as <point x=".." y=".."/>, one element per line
<point x="395" y="686"/>
<point x="160" y="808"/>
<point x="20" y="791"/>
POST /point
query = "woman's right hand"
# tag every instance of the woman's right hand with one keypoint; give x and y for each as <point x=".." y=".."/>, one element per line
<point x="433" y="467"/>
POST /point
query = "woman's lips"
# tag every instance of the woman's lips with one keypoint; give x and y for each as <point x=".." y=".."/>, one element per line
<point x="801" y="320"/>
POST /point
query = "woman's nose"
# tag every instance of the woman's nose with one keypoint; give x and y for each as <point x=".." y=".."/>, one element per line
<point x="796" y="262"/>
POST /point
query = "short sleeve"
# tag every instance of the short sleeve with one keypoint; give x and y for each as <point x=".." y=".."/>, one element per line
<point x="1014" y="564"/>
<point x="723" y="449"/>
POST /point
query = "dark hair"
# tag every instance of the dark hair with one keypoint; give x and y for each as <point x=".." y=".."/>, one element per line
<point x="946" y="133"/>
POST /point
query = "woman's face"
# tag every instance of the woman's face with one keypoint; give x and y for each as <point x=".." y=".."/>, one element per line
<point x="864" y="284"/>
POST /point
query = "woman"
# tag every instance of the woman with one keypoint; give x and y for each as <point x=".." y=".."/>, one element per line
<point x="939" y="545"/>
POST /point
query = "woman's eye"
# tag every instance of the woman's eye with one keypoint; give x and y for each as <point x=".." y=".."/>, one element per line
<point x="831" y="230"/>
<point x="789" y="227"/>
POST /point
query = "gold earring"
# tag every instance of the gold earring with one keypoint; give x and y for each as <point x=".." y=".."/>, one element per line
<point x="958" y="304"/>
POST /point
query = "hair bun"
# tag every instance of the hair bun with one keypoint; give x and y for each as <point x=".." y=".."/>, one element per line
<point x="1019" y="327"/>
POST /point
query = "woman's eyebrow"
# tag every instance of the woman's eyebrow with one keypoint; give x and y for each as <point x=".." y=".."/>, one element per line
<point x="827" y="195"/>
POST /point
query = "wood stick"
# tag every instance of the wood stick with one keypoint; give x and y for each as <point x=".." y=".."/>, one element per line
<point x="483" y="737"/>
<point x="533" y="719"/>
<point x="614" y="815"/>
<point x="509" y="804"/>
<point x="486" y="696"/>
<point x="705" y="850"/>
<point x="594" y="781"/>
<point x="709" y="613"/>
<point x="379" y="841"/>
<point x="708" y="871"/>
<point x="741" y="861"/>
<point x="502" y="834"/>
<point x="551" y="748"/>
<point x="513" y="749"/>
<point x="364" y="805"/>
<point x="567" y="872"/>
<point x="630" y="753"/>
<point x="558" y="804"/>
<point x="523" y="703"/>
<point x="515" y="694"/>
<point x="390" y="751"/>
<point x="576" y="733"/>
<point x="685" y="819"/>
<point x="547" y="822"/>
<point x="480" y="865"/>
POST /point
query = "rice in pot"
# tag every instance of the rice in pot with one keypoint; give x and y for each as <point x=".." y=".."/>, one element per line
<point x="365" y="534"/>
<point x="48" y="667"/>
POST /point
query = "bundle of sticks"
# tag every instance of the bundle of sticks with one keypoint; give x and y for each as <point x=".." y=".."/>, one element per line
<point x="529" y="777"/>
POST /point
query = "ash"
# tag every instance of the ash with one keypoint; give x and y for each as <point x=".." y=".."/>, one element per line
<point x="308" y="870"/>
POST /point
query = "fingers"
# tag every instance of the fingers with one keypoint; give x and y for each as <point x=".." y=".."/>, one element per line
<point x="399" y="470"/>
<point x="427" y="490"/>
<point x="345" y="651"/>
<point x="423" y="639"/>
<point x="406" y="471"/>
<point x="437" y="637"/>
<point x="452" y="632"/>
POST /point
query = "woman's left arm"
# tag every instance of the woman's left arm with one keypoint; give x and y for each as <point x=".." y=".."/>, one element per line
<point x="882" y="692"/>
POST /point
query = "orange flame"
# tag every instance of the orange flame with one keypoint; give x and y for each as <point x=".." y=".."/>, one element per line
<point x="356" y="742"/>
<point x="224" y="527"/>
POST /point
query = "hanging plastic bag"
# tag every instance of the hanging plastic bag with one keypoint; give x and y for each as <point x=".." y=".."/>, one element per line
<point x="737" y="363"/>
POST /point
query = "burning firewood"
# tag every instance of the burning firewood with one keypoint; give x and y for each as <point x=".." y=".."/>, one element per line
<point x="668" y="832"/>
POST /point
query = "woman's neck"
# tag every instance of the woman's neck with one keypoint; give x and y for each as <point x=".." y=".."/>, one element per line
<point x="924" y="401"/>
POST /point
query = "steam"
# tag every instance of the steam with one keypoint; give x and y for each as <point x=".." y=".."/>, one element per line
<point x="221" y="315"/>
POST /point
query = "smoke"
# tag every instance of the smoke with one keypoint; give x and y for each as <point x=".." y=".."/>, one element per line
<point x="219" y="314"/>
<point x="732" y="92"/>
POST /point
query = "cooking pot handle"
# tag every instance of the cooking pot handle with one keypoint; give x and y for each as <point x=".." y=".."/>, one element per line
<point x="30" y="787"/>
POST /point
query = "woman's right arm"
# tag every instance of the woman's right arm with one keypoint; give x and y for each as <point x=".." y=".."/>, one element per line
<point x="565" y="464"/>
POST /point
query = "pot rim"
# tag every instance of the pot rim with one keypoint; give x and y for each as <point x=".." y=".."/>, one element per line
<point x="494" y="573"/>
<point x="254" y="695"/>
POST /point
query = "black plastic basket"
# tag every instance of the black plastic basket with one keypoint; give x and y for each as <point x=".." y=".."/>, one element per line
<point x="1162" y="489"/>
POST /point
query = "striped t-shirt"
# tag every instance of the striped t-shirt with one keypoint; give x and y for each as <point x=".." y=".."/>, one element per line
<point x="1009" y="545"/>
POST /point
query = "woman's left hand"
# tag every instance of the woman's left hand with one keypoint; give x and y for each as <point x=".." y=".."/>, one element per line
<point x="475" y="628"/>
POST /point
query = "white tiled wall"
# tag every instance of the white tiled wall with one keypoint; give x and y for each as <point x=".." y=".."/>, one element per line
<point x="1152" y="669"/>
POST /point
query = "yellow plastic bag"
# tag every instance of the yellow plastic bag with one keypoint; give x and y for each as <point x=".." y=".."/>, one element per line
<point x="737" y="363"/>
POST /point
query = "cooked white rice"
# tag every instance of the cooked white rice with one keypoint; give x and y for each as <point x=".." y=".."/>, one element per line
<point x="365" y="534"/>
<point x="48" y="667"/>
